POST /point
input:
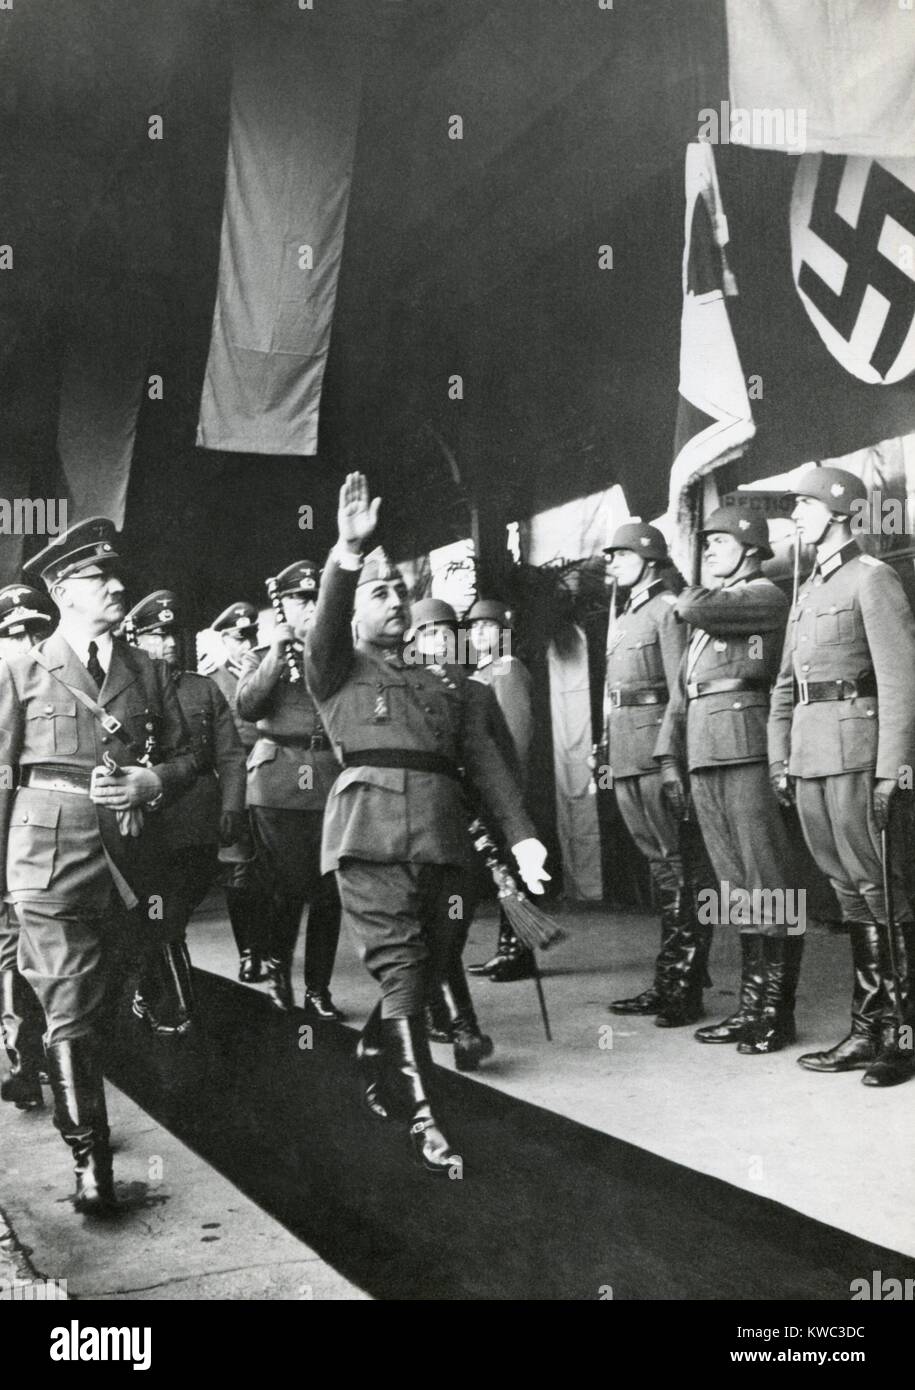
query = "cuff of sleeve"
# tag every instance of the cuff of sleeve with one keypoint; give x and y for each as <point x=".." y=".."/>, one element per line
<point x="345" y="558"/>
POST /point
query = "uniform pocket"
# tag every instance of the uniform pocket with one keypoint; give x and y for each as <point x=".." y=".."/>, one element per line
<point x="261" y="753"/>
<point x="858" y="739"/>
<point x="51" y="727"/>
<point x="728" y="736"/>
<point x="32" y="845"/>
<point x="836" y="625"/>
<point x="389" y="779"/>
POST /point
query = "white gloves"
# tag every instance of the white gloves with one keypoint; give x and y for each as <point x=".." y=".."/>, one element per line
<point x="531" y="857"/>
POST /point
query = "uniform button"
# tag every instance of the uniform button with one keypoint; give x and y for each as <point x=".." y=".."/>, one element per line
<point x="805" y="666"/>
<point x="105" y="738"/>
<point x="49" y="709"/>
<point x="870" y="714"/>
<point x="738" y="704"/>
<point x="25" y="818"/>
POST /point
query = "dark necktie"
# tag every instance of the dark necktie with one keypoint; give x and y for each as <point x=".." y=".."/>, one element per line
<point x="94" y="666"/>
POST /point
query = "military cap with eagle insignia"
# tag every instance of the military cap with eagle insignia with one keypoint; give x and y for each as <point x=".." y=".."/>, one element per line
<point x="836" y="488"/>
<point x="749" y="530"/>
<point x="20" y="607"/>
<point x="301" y="578"/>
<point x="90" y="542"/>
<point x="378" y="568"/>
<point x="639" y="536"/>
<point x="238" y="620"/>
<point x="155" y="613"/>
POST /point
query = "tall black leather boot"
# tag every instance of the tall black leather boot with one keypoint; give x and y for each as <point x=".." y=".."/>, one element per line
<point x="22" y="1023"/>
<point x="516" y="963"/>
<point x="650" y="1000"/>
<point x="736" y="1025"/>
<point x="503" y="949"/>
<point x="688" y="969"/>
<point x="471" y="1046"/>
<point x="775" y="1027"/>
<point x="858" y="1050"/>
<point x="81" y="1117"/>
<point x="241" y="905"/>
<point x="407" y="1059"/>
<point x="895" y="1060"/>
<point x="321" y="938"/>
<point x="283" y="930"/>
<point x="369" y="1055"/>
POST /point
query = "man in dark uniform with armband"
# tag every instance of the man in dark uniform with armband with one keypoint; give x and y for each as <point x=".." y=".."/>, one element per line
<point x="25" y="617"/>
<point x="236" y="628"/>
<point x="841" y="736"/>
<point x="290" y="771"/>
<point x="210" y="813"/>
<point x="644" y="646"/>
<point x="395" y="830"/>
<point x="719" y="707"/>
<point x="80" y="836"/>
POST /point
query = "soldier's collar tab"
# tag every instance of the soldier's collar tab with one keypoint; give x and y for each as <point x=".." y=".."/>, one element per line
<point x="642" y="597"/>
<point x="837" y="559"/>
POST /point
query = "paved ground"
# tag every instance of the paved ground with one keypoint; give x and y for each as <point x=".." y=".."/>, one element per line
<point x="826" y="1146"/>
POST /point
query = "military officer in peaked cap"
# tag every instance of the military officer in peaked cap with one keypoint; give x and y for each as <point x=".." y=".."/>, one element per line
<point x="490" y="630"/>
<point x="291" y="769"/>
<point x="236" y="627"/>
<point x="717" y="715"/>
<point x="210" y="813"/>
<point x="841" y="736"/>
<point x="80" y="840"/>
<point x="396" y="829"/>
<point x="25" y="617"/>
<point x="644" y="646"/>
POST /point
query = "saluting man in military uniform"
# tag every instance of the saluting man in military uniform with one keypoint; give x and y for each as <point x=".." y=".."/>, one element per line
<point x="644" y="646"/>
<point x="720" y="707"/>
<point x="25" y="617"/>
<point x="396" y="829"/>
<point x="237" y="630"/>
<point x="210" y="813"/>
<point x="510" y="682"/>
<point x="291" y="769"/>
<point x="80" y="836"/>
<point x="841" y="735"/>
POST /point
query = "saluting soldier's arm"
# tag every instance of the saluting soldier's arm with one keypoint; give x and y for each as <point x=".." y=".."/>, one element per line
<point x="11" y="735"/>
<point x="229" y="754"/>
<point x="890" y="629"/>
<point x="741" y="611"/>
<point x="329" y="644"/>
<point x="257" y="680"/>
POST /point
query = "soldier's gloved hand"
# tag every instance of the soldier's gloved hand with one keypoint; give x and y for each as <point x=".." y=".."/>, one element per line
<point x="134" y="786"/>
<point x="232" y="827"/>
<point x="674" y="789"/>
<point x="782" y="784"/>
<point x="530" y="856"/>
<point x="883" y="797"/>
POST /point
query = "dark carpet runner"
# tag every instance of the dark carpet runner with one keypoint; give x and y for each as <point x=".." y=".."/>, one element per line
<point x="546" y="1208"/>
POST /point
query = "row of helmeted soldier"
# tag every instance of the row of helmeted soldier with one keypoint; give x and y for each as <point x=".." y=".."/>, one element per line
<point x="333" y="768"/>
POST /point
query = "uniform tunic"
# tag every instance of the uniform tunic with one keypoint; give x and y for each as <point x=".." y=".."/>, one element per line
<point x="66" y="866"/>
<point x="852" y="621"/>
<point x="396" y="835"/>
<point x="721" y="737"/>
<point x="644" y="647"/>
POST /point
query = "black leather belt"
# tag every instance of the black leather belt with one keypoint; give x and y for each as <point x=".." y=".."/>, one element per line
<point x="621" y="697"/>
<point x="410" y="758"/>
<point x="55" y="779"/>
<point x="725" y="686"/>
<point x="814" y="692"/>
<point x="314" y="742"/>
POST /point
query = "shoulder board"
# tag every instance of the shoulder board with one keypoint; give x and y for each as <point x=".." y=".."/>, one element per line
<point x="871" y="560"/>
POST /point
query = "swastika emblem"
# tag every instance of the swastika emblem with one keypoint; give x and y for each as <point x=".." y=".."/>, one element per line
<point x="853" y="260"/>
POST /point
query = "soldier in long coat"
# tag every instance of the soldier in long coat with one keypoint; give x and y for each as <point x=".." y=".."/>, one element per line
<point x="841" y="740"/>
<point x="395" y="831"/>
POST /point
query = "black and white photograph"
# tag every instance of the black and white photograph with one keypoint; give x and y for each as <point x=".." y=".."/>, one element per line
<point x="457" y="668"/>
